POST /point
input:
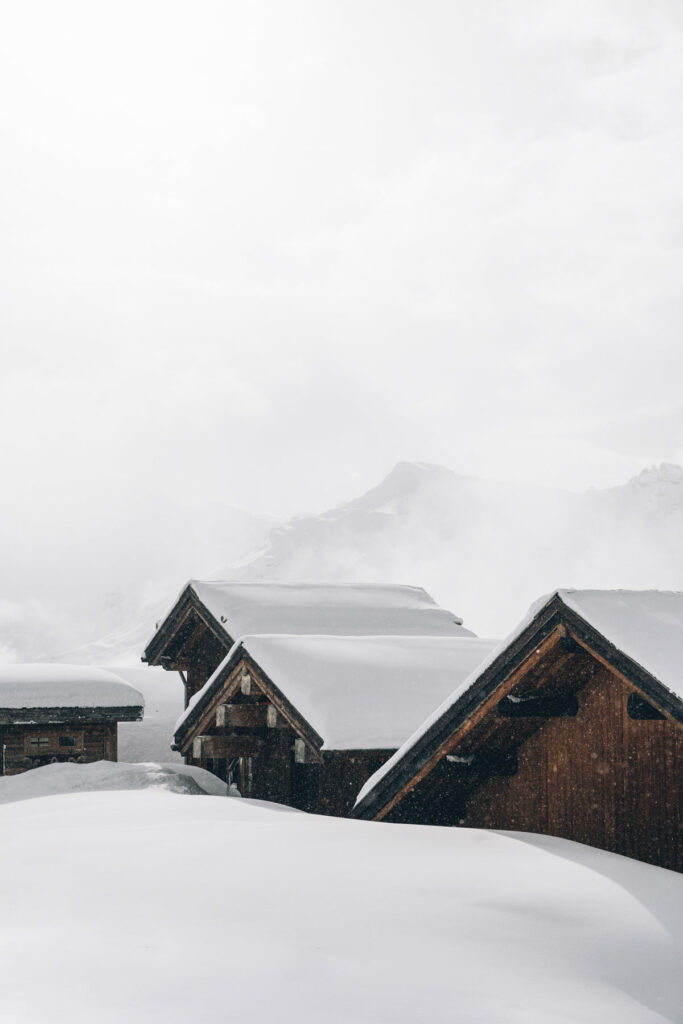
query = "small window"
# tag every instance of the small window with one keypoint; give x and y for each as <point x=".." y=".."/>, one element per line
<point x="641" y="709"/>
<point x="67" y="741"/>
<point x="39" y="741"/>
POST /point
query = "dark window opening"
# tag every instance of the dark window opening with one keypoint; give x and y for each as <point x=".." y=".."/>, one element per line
<point x="641" y="709"/>
<point x="563" y="705"/>
<point x="497" y="762"/>
<point x="67" y="741"/>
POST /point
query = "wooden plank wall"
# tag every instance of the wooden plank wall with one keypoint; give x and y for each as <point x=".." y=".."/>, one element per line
<point x="202" y="664"/>
<point x="342" y="776"/>
<point x="601" y="778"/>
<point x="99" y="742"/>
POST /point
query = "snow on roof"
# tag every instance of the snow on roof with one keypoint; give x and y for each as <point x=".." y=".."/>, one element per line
<point x="646" y="625"/>
<point x="64" y="686"/>
<point x="361" y="692"/>
<point x="335" y="609"/>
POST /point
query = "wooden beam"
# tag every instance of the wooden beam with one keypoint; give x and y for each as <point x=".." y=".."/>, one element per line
<point x="225" y="746"/>
<point x="247" y="716"/>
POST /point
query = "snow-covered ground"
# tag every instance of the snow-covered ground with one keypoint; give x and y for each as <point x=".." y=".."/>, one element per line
<point x="150" y="907"/>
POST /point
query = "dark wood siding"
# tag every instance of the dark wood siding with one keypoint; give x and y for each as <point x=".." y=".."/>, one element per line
<point x="201" y="661"/>
<point x="343" y="774"/>
<point x="601" y="778"/>
<point x="321" y="783"/>
<point x="94" y="741"/>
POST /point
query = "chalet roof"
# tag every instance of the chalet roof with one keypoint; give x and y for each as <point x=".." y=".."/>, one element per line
<point x="646" y="625"/>
<point x="39" y="686"/>
<point x="239" y="609"/>
<point x="355" y="692"/>
<point x="641" y="629"/>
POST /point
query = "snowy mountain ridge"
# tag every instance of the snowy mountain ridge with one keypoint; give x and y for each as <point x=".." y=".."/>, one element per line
<point x="487" y="549"/>
<point x="483" y="549"/>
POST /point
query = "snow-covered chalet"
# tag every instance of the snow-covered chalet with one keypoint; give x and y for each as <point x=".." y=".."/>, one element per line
<point x="52" y="713"/>
<point x="297" y="692"/>
<point x="572" y="727"/>
<point x="305" y="720"/>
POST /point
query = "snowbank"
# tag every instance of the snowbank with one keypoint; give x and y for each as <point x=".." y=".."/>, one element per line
<point x="54" y="779"/>
<point x="141" y="907"/>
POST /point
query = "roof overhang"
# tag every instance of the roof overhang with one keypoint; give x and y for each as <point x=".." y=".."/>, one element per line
<point x="45" y="716"/>
<point x="169" y="631"/>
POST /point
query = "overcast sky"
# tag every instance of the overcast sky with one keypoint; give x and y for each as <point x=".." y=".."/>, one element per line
<point x="258" y="252"/>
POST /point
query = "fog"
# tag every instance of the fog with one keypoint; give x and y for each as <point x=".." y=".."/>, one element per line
<point x="253" y="255"/>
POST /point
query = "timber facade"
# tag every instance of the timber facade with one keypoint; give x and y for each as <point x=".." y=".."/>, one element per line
<point x="190" y="641"/>
<point x="32" y="746"/>
<point x="247" y="732"/>
<point x="561" y="734"/>
<point x="53" y="713"/>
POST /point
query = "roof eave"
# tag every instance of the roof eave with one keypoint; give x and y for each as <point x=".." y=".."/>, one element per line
<point x="66" y="715"/>
<point x="153" y="653"/>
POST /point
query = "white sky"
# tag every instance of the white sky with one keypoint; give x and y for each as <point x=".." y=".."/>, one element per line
<point x="258" y="252"/>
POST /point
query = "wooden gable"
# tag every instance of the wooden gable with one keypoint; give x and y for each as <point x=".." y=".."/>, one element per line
<point x="244" y="699"/>
<point x="190" y="641"/>
<point x="247" y="732"/>
<point x="563" y="738"/>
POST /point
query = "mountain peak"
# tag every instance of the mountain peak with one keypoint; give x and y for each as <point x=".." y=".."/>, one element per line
<point x="404" y="480"/>
<point x="664" y="473"/>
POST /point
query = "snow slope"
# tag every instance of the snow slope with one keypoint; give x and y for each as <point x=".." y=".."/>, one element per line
<point x="156" y="908"/>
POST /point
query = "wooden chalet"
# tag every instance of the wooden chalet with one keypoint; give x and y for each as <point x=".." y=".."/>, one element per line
<point x="305" y="720"/>
<point x="209" y="616"/>
<point x="51" y="713"/>
<point x="573" y="727"/>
